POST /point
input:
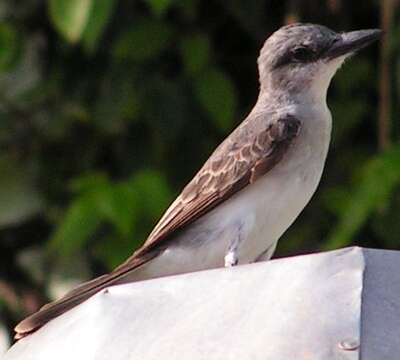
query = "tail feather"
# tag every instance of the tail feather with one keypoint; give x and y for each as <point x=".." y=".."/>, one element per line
<point x="76" y="296"/>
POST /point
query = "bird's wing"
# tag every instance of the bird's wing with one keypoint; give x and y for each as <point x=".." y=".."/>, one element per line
<point x="238" y="162"/>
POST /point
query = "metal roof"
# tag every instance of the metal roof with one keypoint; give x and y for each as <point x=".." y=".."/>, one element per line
<point x="337" y="305"/>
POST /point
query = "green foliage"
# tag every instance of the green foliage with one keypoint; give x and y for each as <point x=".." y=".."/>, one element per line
<point x="8" y="46"/>
<point x="19" y="199"/>
<point x="80" y="221"/>
<point x="216" y="93"/>
<point x="159" y="7"/>
<point x="144" y="41"/>
<point x="349" y="109"/>
<point x="373" y="191"/>
<point x="124" y="205"/>
<point x="70" y="17"/>
<point x="196" y="53"/>
<point x="81" y="20"/>
<point x="100" y="15"/>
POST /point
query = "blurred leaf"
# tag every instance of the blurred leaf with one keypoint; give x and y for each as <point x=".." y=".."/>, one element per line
<point x="70" y="17"/>
<point x="126" y="206"/>
<point x="349" y="115"/>
<point x="8" y="46"/>
<point x="216" y="92"/>
<point x="381" y="176"/>
<point x="79" y="223"/>
<point x="114" y="202"/>
<point x="133" y="207"/>
<point x="19" y="200"/>
<point x="88" y="182"/>
<point x="118" y="205"/>
<point x="336" y="199"/>
<point x="152" y="192"/>
<point x="132" y="202"/>
<point x="22" y="78"/>
<point x="99" y="16"/>
<point x="159" y="7"/>
<point x="118" y="102"/>
<point x="386" y="224"/>
<point x="146" y="40"/>
<point x="82" y="217"/>
<point x="195" y="50"/>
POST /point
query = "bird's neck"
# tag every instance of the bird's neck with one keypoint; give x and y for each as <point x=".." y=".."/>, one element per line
<point x="281" y="98"/>
<point x="304" y="88"/>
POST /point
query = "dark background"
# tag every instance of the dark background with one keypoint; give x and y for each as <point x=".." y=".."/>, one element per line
<point x="107" y="109"/>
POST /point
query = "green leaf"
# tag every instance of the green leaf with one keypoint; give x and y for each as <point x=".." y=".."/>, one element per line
<point x="152" y="191"/>
<point x="336" y="199"/>
<point x="159" y="7"/>
<point x="380" y="177"/>
<point x="145" y="41"/>
<point x="128" y="206"/>
<point x="70" y="17"/>
<point x="118" y="204"/>
<point x="79" y="223"/>
<point x="195" y="52"/>
<point x="88" y="183"/>
<point x="131" y="206"/>
<point x="19" y="200"/>
<point x="113" y="201"/>
<point x="8" y="46"/>
<point x="216" y="92"/>
<point x="98" y="20"/>
<point x="82" y="217"/>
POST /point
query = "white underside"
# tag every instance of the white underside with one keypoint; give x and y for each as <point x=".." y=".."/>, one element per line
<point x="256" y="217"/>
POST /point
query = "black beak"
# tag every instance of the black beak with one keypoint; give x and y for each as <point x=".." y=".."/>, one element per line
<point x="351" y="42"/>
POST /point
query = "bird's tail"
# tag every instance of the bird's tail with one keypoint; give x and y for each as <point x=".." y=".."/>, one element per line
<point x="76" y="296"/>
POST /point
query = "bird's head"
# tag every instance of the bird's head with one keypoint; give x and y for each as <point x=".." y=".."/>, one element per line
<point x="301" y="59"/>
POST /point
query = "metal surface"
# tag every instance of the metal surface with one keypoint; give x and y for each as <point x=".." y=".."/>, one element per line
<point x="306" y="307"/>
<point x="380" y="321"/>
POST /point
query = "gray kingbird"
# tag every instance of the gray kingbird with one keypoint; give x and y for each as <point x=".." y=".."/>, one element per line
<point x="256" y="182"/>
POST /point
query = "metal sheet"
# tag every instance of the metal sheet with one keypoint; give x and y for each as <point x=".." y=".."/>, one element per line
<point x="305" y="307"/>
<point x="380" y="322"/>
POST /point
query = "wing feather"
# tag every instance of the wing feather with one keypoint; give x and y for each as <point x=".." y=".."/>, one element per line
<point x="233" y="166"/>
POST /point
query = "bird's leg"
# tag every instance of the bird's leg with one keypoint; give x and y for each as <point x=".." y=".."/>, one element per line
<point x="231" y="257"/>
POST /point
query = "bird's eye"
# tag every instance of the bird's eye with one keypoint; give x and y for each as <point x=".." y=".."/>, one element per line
<point x="302" y="54"/>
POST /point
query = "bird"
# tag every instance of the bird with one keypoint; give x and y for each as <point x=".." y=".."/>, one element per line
<point x="256" y="182"/>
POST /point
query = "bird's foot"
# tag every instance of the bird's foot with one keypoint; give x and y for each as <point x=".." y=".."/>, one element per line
<point x="231" y="259"/>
